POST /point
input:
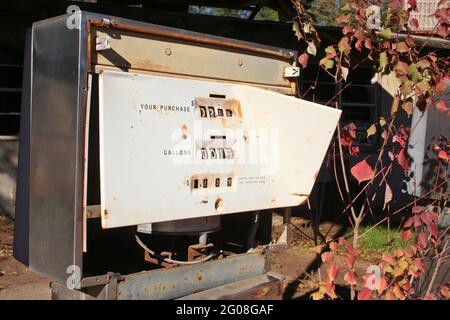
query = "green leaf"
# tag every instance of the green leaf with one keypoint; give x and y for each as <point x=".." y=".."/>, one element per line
<point x="344" y="46"/>
<point x="407" y="88"/>
<point x="311" y="48"/>
<point x="383" y="60"/>
<point x="344" y="73"/>
<point x="393" y="83"/>
<point x="414" y="73"/>
<point x="317" y="295"/>
<point x="388" y="269"/>
<point x="402" y="47"/>
<point x="296" y="29"/>
<point x="386" y="33"/>
<point x="329" y="64"/>
<point x="372" y="130"/>
<point x="307" y="27"/>
<point x="395" y="104"/>
<point x="326" y="63"/>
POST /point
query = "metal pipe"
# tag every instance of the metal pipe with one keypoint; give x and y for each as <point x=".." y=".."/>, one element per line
<point x="9" y="138"/>
<point x="203" y="239"/>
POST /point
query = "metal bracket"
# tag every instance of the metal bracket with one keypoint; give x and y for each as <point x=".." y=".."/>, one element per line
<point x="102" y="43"/>
<point x="292" y="72"/>
<point x="198" y="251"/>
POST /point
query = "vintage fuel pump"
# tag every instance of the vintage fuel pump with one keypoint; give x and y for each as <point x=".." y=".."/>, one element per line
<point x="148" y="156"/>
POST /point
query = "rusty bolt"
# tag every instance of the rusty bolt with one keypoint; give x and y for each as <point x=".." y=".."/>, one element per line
<point x="168" y="51"/>
<point x="245" y="137"/>
<point x="289" y="54"/>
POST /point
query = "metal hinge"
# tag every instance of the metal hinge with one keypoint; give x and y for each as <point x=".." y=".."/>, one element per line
<point x="102" y="43"/>
<point x="291" y="72"/>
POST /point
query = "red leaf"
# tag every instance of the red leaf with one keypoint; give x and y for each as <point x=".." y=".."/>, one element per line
<point x="423" y="63"/>
<point x="327" y="257"/>
<point x="334" y="246"/>
<point x="428" y="217"/>
<point x="406" y="235"/>
<point x="398" y="292"/>
<point x="365" y="294"/>
<point x="418" y="264"/>
<point x="329" y="285"/>
<point x="359" y="34"/>
<point x="433" y="230"/>
<point x="414" y="23"/>
<point x="362" y="171"/>
<point x="332" y="272"/>
<point x="347" y="29"/>
<point x="401" y="137"/>
<point x="441" y="106"/>
<point x="441" y="13"/>
<point x="342" y="241"/>
<point x="445" y="291"/>
<point x="417" y="221"/>
<point x="422" y="240"/>
<point x="383" y="285"/>
<point x="417" y="209"/>
<point x="408" y="223"/>
<point x="368" y="43"/>
<point x="402" y="68"/>
<point x="350" y="261"/>
<point x="343" y="18"/>
<point x="350" y="278"/>
<point x="353" y="150"/>
<point x="351" y="250"/>
<point x="442" y="31"/>
<point x="393" y="4"/>
<point x="348" y="133"/>
<point x="413" y="4"/>
<point x="443" y="155"/>
<point x="440" y="87"/>
<point x="388" y="258"/>
<point x="303" y="59"/>
<point x="389" y="296"/>
<point x="359" y="45"/>
<point x="430" y="296"/>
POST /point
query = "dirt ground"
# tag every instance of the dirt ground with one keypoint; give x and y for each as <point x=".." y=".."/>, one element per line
<point x="16" y="281"/>
<point x="19" y="283"/>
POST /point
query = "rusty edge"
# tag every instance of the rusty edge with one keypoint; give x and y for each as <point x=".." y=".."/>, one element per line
<point x="192" y="38"/>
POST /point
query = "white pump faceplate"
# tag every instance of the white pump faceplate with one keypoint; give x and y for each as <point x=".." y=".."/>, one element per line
<point x="174" y="148"/>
